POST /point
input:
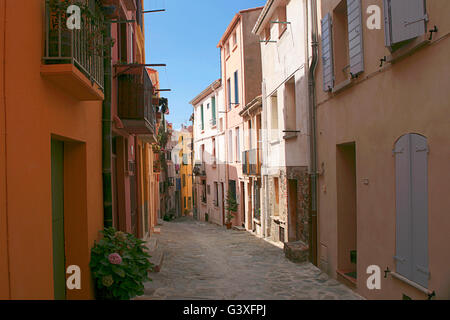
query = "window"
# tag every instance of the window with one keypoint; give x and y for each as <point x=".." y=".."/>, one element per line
<point x="207" y="106"/>
<point x="230" y="146"/>
<point x="282" y="17"/>
<point x="204" y="191"/>
<point x="267" y="33"/>
<point x="236" y="88"/>
<point x="411" y="177"/>
<point x="216" y="194"/>
<point x="234" y="39"/>
<point x="184" y="180"/>
<point x="229" y="93"/>
<point x="208" y="189"/>
<point x="342" y="44"/>
<point x="250" y="142"/>
<point x="274" y="118"/>
<point x="291" y="106"/>
<point x="202" y="117"/>
<point x="213" y="111"/>
<point x="190" y="203"/>
<point x="214" y="151"/>
<point x="227" y="50"/>
<point x="276" y="192"/>
<point x="123" y="50"/>
<point x="404" y="21"/>
<point x="132" y="47"/>
<point x="238" y="144"/>
<point x="232" y="188"/>
<point x="185" y="202"/>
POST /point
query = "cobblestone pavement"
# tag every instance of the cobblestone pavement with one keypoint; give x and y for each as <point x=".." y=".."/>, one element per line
<point x="204" y="261"/>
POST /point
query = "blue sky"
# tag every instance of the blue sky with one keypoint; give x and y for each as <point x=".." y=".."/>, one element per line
<point x="185" y="37"/>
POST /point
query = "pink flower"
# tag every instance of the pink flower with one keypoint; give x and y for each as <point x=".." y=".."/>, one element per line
<point x="115" y="258"/>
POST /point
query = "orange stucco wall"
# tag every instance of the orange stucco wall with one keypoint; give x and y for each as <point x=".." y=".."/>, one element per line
<point x="36" y="110"/>
<point x="410" y="96"/>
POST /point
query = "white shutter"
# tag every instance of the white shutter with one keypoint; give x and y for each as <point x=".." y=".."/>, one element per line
<point x="419" y="200"/>
<point x="411" y="169"/>
<point x="355" y="37"/>
<point x="404" y="20"/>
<point x="327" y="53"/>
<point x="403" y="255"/>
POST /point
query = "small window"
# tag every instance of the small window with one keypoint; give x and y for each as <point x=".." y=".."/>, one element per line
<point x="238" y="144"/>
<point x="234" y="39"/>
<point x="340" y="43"/>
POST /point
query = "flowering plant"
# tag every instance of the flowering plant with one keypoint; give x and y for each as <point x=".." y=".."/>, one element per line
<point x="119" y="265"/>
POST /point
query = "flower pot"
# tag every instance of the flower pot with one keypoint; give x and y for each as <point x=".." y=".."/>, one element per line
<point x="229" y="225"/>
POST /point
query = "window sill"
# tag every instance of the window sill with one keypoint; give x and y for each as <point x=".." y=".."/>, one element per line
<point x="411" y="283"/>
<point x="342" y="86"/>
<point x="290" y="135"/>
<point x="274" y="142"/>
<point x="234" y="48"/>
<point x="408" y="49"/>
<point x="257" y="221"/>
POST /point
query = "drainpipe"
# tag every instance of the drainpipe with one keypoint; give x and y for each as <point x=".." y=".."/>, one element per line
<point x="313" y="133"/>
<point x="107" y="136"/>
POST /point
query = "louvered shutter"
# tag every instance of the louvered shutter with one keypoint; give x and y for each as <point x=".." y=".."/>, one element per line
<point x="355" y="37"/>
<point x="411" y="153"/>
<point x="419" y="199"/>
<point x="327" y="53"/>
<point x="404" y="20"/>
<point x="403" y="207"/>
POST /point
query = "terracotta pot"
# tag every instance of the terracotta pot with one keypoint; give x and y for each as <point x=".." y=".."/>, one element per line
<point x="229" y="225"/>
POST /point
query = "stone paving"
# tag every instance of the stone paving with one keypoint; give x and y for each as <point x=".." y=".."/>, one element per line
<point x="204" y="261"/>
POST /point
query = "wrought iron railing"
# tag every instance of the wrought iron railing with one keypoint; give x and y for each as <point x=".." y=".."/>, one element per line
<point x="83" y="48"/>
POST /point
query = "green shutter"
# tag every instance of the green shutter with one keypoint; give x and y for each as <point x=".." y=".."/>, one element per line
<point x="213" y="102"/>
<point x="203" y="119"/>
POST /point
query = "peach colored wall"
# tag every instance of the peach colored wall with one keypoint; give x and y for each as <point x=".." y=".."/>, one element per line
<point x="36" y="109"/>
<point x="410" y="96"/>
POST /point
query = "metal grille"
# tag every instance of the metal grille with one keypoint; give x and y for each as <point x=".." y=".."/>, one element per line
<point x="82" y="48"/>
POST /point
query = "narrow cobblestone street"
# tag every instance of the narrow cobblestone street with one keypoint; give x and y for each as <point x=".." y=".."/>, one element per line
<point x="204" y="261"/>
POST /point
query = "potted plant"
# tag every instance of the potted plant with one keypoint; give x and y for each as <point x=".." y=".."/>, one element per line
<point x="232" y="208"/>
<point x="119" y="265"/>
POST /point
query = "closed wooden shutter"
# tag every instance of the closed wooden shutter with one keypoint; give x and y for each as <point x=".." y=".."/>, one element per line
<point x="355" y="37"/>
<point x="419" y="200"/>
<point x="411" y="169"/>
<point x="404" y="20"/>
<point x="327" y="54"/>
<point x="203" y="117"/>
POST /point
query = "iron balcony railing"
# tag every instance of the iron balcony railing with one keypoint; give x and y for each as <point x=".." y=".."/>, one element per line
<point x="83" y="48"/>
<point x="251" y="162"/>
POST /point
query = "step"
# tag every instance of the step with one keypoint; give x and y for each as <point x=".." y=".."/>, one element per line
<point x="156" y="258"/>
<point x="239" y="228"/>
<point x="296" y="251"/>
<point x="152" y="244"/>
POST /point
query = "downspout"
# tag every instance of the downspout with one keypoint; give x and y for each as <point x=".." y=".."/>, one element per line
<point x="107" y="136"/>
<point x="313" y="134"/>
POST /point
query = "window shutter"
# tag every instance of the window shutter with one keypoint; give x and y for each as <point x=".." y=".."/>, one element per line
<point x="355" y="37"/>
<point x="403" y="207"/>
<point x="203" y="117"/>
<point x="404" y="20"/>
<point x="236" y="88"/>
<point x="327" y="53"/>
<point x="419" y="199"/>
<point x="213" y="103"/>
<point x="411" y="153"/>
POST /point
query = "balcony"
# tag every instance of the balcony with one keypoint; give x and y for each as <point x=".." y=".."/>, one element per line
<point x="135" y="107"/>
<point x="251" y="162"/>
<point x="73" y="59"/>
<point x="199" y="169"/>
